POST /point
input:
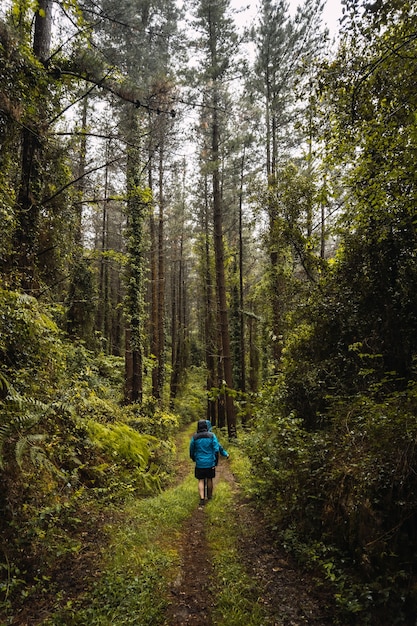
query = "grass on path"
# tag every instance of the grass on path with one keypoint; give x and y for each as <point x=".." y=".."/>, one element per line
<point x="237" y="597"/>
<point x="144" y="559"/>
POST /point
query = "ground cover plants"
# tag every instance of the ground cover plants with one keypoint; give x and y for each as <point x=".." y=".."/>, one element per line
<point x="68" y="450"/>
<point x="139" y="564"/>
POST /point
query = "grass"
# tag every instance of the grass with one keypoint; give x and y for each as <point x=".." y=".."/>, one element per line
<point x="236" y="595"/>
<point x="141" y="561"/>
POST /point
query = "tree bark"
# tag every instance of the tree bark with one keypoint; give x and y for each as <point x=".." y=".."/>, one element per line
<point x="161" y="282"/>
<point x="220" y="276"/>
<point x="28" y="209"/>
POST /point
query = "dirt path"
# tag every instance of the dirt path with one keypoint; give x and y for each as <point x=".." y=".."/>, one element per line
<point x="192" y="600"/>
<point x="290" y="595"/>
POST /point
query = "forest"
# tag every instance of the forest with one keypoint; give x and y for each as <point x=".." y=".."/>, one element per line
<point x="208" y="212"/>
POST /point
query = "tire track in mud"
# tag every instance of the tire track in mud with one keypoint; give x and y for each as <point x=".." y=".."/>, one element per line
<point x="191" y="595"/>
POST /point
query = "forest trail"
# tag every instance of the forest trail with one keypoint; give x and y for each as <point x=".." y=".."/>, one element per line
<point x="289" y="595"/>
<point x="261" y="585"/>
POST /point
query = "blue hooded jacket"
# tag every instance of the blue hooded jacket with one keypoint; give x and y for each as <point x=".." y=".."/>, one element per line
<point x="204" y="447"/>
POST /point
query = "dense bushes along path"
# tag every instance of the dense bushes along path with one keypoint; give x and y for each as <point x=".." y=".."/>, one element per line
<point x="164" y="561"/>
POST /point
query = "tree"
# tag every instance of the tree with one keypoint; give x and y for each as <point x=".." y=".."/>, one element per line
<point x="138" y="206"/>
<point x="33" y="184"/>
<point x="147" y="31"/>
<point x="218" y="44"/>
<point x="284" y="47"/>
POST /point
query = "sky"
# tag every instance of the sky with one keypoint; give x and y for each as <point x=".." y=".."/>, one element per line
<point x="332" y="11"/>
<point x="331" y="14"/>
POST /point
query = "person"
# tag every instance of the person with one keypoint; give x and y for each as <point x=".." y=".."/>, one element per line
<point x="204" y="451"/>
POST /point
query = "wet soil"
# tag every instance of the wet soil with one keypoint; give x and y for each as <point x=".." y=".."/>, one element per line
<point x="191" y="596"/>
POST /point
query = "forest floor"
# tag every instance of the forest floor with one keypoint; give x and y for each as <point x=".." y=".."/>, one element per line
<point x="290" y="595"/>
<point x="278" y="590"/>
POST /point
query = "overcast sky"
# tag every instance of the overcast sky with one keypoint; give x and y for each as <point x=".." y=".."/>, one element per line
<point x="332" y="11"/>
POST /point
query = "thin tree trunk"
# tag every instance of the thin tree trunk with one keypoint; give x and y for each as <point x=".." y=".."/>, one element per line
<point x="210" y="313"/>
<point x="175" y="326"/>
<point x="81" y="174"/>
<point x="161" y="282"/>
<point x="221" y="278"/>
<point x="241" y="298"/>
<point x="137" y="206"/>
<point x="154" y="306"/>
<point x="102" y="309"/>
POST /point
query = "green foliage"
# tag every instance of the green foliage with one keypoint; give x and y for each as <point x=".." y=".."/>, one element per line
<point x="141" y="564"/>
<point x="30" y="344"/>
<point x="280" y="450"/>
<point x="65" y="445"/>
<point x="191" y="401"/>
<point x="344" y="499"/>
<point x="152" y="420"/>
<point x="80" y="301"/>
<point x="359" y="327"/>
<point x="122" y="442"/>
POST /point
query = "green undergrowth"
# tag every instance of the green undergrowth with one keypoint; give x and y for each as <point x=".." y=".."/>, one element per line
<point x="142" y="561"/>
<point x="143" y="558"/>
<point x="235" y="592"/>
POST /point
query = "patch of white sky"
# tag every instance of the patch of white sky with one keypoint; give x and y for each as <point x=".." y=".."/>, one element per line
<point x="247" y="12"/>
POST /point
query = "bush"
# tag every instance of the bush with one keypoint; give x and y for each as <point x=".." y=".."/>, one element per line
<point x="344" y="499"/>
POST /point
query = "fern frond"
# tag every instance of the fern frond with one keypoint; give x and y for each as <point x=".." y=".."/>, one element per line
<point x="62" y="406"/>
<point x="14" y="398"/>
<point x="25" y="442"/>
<point x="39" y="459"/>
<point x="4" y="384"/>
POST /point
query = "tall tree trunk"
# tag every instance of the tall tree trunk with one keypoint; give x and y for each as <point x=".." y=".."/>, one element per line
<point x="161" y="281"/>
<point x="81" y="174"/>
<point x="179" y="316"/>
<point x="175" y="326"/>
<point x="28" y="208"/>
<point x="241" y="297"/>
<point x="210" y="313"/>
<point x="153" y="324"/>
<point x="220" y="276"/>
<point x="103" y="304"/>
<point x="137" y="205"/>
<point x="42" y="33"/>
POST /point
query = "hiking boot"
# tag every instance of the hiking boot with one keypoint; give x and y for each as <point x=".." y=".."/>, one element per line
<point x="201" y="502"/>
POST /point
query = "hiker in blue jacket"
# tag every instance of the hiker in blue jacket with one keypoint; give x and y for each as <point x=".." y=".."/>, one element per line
<point x="204" y="451"/>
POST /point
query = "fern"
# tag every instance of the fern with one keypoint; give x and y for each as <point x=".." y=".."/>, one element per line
<point x="19" y="416"/>
<point x="122" y="442"/>
<point x="4" y="384"/>
<point x="29" y="441"/>
<point x="12" y="432"/>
